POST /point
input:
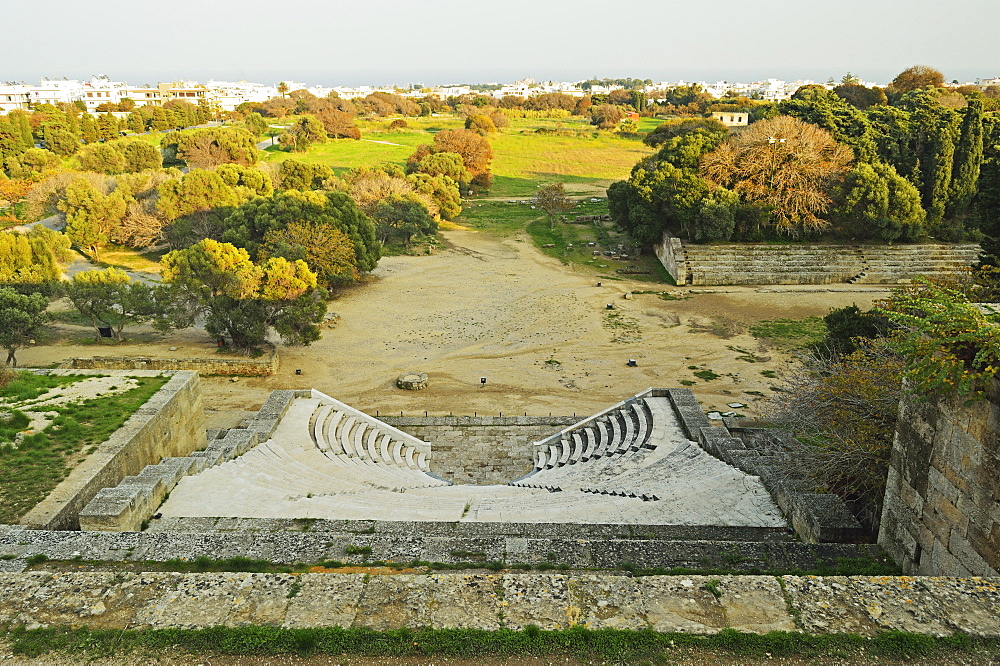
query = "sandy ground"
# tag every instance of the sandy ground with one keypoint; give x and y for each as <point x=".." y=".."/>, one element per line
<point x="536" y="329"/>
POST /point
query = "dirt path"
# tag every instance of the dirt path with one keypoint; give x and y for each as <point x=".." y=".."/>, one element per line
<point x="536" y="329"/>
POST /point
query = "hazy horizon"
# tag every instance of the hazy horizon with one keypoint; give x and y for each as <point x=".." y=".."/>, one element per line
<point x="335" y="42"/>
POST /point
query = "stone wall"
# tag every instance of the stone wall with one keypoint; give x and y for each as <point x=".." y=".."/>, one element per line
<point x="492" y="601"/>
<point x="941" y="514"/>
<point x="481" y="450"/>
<point x="266" y="365"/>
<point x="128" y="506"/>
<point x="799" y="263"/>
<point x="169" y="424"/>
<point x="670" y="252"/>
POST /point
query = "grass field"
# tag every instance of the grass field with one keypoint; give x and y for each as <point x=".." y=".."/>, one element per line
<point x="585" y="160"/>
<point x="30" y="470"/>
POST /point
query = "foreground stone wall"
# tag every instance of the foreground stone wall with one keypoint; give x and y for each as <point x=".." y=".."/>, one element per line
<point x="866" y="606"/>
<point x="483" y="450"/>
<point x="941" y="514"/>
<point x="169" y="424"/>
<point x="798" y="263"/>
<point x="264" y="366"/>
<point x="591" y="546"/>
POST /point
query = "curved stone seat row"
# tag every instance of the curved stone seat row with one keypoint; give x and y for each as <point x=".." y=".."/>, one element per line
<point x="358" y="436"/>
<point x="618" y="432"/>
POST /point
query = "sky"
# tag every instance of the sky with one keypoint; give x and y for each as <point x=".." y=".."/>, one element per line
<point x="333" y="42"/>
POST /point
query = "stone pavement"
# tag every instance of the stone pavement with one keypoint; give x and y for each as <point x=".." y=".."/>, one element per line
<point x="691" y="604"/>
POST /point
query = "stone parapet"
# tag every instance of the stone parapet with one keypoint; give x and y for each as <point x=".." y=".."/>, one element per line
<point x="130" y="505"/>
<point x="491" y="601"/>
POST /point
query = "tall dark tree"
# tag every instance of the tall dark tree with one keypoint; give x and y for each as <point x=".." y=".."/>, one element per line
<point x="968" y="159"/>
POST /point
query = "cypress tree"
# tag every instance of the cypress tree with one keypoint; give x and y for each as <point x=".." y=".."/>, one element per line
<point x="88" y="129"/>
<point x="968" y="159"/>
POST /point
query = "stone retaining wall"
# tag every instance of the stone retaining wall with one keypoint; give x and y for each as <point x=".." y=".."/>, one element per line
<point x="689" y="604"/>
<point x="481" y="450"/>
<point x="170" y="423"/>
<point x="129" y="505"/>
<point x="799" y="263"/>
<point x="264" y="366"/>
<point x="941" y="514"/>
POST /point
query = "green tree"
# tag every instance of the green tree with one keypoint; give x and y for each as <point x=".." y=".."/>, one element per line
<point x="296" y="175"/>
<point x="952" y="345"/>
<point x="60" y="140"/>
<point x="205" y="148"/>
<point x="21" y="320"/>
<point x="859" y="96"/>
<point x="845" y="123"/>
<point x="109" y="298"/>
<point x="402" y="217"/>
<point x="88" y="129"/>
<point x="304" y="132"/>
<point x="255" y="123"/>
<point x="876" y="203"/>
<point x="968" y="159"/>
<point x="102" y="158"/>
<point x="248" y="224"/>
<point x="328" y="251"/>
<point x="107" y="127"/>
<point x="197" y="191"/>
<point x="91" y="215"/>
<point x="442" y="189"/>
<point x="240" y="299"/>
<point x="32" y="258"/>
<point x="678" y="128"/>
<point x="136" y="124"/>
<point x="443" y="164"/>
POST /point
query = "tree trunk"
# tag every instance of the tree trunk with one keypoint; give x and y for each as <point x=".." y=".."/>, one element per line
<point x="11" y="361"/>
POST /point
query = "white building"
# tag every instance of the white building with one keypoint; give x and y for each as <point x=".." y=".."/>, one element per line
<point x="102" y="90"/>
<point x="13" y="96"/>
<point x="56" y="91"/>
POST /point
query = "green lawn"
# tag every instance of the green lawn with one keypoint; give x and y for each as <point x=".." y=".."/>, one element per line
<point x="30" y="471"/>
<point x="586" y="160"/>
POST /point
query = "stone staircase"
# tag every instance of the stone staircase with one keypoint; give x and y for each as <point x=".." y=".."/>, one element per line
<point x="762" y="263"/>
<point x="629" y="464"/>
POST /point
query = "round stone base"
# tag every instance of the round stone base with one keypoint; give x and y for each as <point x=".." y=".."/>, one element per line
<point x="412" y="381"/>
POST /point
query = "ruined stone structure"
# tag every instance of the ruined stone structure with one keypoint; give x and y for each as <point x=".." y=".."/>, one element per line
<point x="800" y="263"/>
<point x="941" y="515"/>
<point x="245" y="367"/>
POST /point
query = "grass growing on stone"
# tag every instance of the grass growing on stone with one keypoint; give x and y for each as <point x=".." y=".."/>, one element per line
<point x="42" y="459"/>
<point x="476" y="561"/>
<point x="791" y="333"/>
<point x="28" y="385"/>
<point x="578" y="642"/>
